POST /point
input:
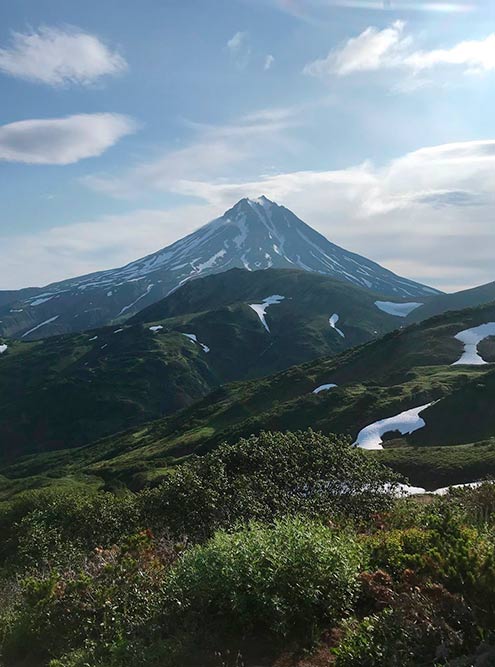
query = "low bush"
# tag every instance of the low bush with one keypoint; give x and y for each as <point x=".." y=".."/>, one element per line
<point x="108" y="609"/>
<point x="48" y="528"/>
<point x="415" y="624"/>
<point x="286" y="580"/>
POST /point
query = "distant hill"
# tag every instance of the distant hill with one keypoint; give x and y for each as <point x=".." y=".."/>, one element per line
<point x="442" y="303"/>
<point x="68" y="390"/>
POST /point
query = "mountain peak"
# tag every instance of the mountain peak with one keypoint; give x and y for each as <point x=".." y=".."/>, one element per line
<point x="261" y="201"/>
<point x="254" y="234"/>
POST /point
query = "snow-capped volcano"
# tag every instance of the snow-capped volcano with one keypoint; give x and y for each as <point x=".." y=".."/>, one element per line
<point x="255" y="234"/>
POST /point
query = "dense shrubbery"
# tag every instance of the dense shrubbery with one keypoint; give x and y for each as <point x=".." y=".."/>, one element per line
<point x="285" y="580"/>
<point x="269" y="476"/>
<point x="260" y="550"/>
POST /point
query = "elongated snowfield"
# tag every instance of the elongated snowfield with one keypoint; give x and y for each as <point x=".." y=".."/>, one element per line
<point x="406" y="490"/>
<point x="261" y="308"/>
<point x="471" y="339"/>
<point x="38" y="326"/>
<point x="397" y="309"/>
<point x="323" y="387"/>
<point x="194" y="339"/>
<point x="332" y="321"/>
<point x="406" y="422"/>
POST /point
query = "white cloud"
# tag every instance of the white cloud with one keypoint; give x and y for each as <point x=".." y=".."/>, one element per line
<point x="59" y="56"/>
<point x="472" y="56"/>
<point x="370" y="50"/>
<point x="240" y="49"/>
<point x="390" y="49"/>
<point x="62" y="140"/>
<point x="269" y="60"/>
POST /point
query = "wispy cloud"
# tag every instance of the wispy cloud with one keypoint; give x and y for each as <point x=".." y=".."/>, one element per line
<point x="239" y="49"/>
<point x="410" y="215"/>
<point x="103" y="242"/>
<point x="392" y="49"/>
<point x="269" y="60"/>
<point x="62" y="140"/>
<point x="213" y="152"/>
<point x="305" y="8"/>
<point x="423" y="215"/>
<point x="59" y="56"/>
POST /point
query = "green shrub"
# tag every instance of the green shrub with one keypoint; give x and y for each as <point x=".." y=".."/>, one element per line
<point x="50" y="527"/>
<point x="395" y="550"/>
<point x="288" y="579"/>
<point x="265" y="477"/>
<point x="422" y="625"/>
<point x="107" y="609"/>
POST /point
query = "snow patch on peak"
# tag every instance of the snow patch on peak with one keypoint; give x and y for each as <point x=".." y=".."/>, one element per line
<point x="38" y="326"/>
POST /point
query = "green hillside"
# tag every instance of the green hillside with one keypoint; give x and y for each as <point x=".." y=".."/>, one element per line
<point x="405" y="369"/>
<point x="66" y="391"/>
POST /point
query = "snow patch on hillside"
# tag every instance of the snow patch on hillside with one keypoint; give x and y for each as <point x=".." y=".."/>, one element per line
<point x="131" y="305"/>
<point x="3" y="348"/>
<point x="332" y="321"/>
<point x="156" y="328"/>
<point x="405" y="489"/>
<point x="323" y="387"/>
<point x="471" y="339"/>
<point x="41" y="299"/>
<point x="261" y="308"/>
<point x="38" y="326"/>
<point x="194" y="338"/>
<point x="397" y="309"/>
<point x="406" y="422"/>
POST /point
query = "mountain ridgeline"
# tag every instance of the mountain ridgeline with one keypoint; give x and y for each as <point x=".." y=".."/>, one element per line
<point x="254" y="234"/>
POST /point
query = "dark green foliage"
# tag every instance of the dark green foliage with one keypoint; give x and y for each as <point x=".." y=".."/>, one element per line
<point x="269" y="476"/>
<point x="107" y="609"/>
<point x="415" y="625"/>
<point x="49" y="528"/>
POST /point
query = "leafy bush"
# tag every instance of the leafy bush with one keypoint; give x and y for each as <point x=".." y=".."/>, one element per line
<point x="284" y="580"/>
<point x="414" y="625"/>
<point x="51" y="527"/>
<point x="107" y="609"/>
<point x="269" y="476"/>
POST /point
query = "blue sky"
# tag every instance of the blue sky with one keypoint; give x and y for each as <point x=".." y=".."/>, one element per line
<point x="125" y="125"/>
